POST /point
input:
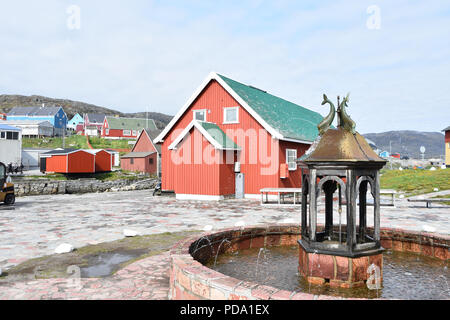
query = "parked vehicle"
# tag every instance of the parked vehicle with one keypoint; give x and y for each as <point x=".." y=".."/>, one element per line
<point x="6" y="187"/>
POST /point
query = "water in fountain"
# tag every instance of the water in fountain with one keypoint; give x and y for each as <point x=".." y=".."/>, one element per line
<point x="218" y="249"/>
<point x="198" y="243"/>
<point x="404" y="277"/>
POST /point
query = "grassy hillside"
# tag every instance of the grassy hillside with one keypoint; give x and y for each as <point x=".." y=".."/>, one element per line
<point x="415" y="182"/>
<point x="8" y="101"/>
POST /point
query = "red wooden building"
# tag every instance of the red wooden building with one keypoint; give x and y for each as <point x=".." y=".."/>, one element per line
<point x="116" y="128"/>
<point x="227" y="126"/>
<point x="145" y="156"/>
<point x="76" y="161"/>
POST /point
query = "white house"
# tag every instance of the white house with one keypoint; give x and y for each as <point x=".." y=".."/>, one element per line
<point x="33" y="128"/>
<point x="10" y="144"/>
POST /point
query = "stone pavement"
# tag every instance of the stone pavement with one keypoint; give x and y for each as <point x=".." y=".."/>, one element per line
<point x="144" y="280"/>
<point x="38" y="224"/>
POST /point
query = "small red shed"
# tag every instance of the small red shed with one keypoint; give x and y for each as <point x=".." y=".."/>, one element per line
<point x="68" y="161"/>
<point x="75" y="161"/>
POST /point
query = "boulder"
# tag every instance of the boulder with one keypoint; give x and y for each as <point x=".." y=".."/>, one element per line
<point x="64" y="248"/>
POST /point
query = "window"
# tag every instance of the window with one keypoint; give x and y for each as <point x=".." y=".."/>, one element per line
<point x="200" y="115"/>
<point x="134" y="133"/>
<point x="107" y="131"/>
<point x="2" y="135"/>
<point x="150" y="160"/>
<point x="291" y="157"/>
<point x="126" y="132"/>
<point x="131" y="161"/>
<point x="231" y="115"/>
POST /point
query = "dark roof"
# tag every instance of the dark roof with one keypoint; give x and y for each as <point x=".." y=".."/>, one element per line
<point x="33" y="111"/>
<point x="96" y="117"/>
<point x="137" y="154"/>
<point x="60" y="151"/>
<point x="446" y="129"/>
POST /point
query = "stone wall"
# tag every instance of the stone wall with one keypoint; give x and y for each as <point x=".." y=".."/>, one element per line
<point x="26" y="187"/>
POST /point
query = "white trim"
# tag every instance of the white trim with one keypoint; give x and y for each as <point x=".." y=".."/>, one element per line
<point x="297" y="141"/>
<point x="225" y="115"/>
<point x="201" y="197"/>
<point x="287" y="159"/>
<point x="215" y="76"/>
<point x="198" y="110"/>
<point x="202" y="130"/>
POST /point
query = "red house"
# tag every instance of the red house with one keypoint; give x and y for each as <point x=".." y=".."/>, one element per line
<point x="75" y="161"/>
<point x="116" y="128"/>
<point x="228" y="127"/>
<point x="145" y="156"/>
<point x="93" y="123"/>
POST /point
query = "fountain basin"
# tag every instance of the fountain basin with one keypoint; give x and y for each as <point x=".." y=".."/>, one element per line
<point x="191" y="279"/>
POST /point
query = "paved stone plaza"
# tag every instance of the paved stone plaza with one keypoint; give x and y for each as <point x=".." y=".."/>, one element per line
<point x="35" y="226"/>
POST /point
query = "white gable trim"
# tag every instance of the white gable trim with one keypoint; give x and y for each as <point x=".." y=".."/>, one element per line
<point x="194" y="123"/>
<point x="215" y="76"/>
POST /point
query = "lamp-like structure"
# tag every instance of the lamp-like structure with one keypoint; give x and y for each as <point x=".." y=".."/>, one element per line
<point x="340" y="160"/>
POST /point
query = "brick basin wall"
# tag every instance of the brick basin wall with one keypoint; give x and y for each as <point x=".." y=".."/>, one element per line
<point x="191" y="280"/>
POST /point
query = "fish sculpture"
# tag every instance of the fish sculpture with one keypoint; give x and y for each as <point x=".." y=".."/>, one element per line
<point x="326" y="122"/>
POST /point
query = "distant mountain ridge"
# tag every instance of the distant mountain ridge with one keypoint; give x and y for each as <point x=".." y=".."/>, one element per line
<point x="7" y="102"/>
<point x="408" y="142"/>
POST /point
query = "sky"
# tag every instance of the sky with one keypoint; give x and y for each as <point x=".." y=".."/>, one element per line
<point x="392" y="56"/>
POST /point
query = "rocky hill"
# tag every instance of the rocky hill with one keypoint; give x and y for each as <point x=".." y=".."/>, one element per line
<point x="7" y="102"/>
<point x="409" y="142"/>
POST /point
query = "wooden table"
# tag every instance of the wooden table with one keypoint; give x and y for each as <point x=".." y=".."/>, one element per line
<point x="280" y="192"/>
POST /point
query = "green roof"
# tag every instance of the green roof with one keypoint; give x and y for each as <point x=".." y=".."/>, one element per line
<point x="130" y="123"/>
<point x="217" y="134"/>
<point x="289" y="119"/>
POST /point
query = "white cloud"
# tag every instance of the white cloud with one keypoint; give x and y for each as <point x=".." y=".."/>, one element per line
<point x="130" y="56"/>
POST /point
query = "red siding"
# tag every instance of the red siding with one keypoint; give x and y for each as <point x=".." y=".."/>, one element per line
<point x="140" y="164"/>
<point x="200" y="178"/>
<point x="81" y="162"/>
<point x="103" y="161"/>
<point x="143" y="144"/>
<point x="57" y="163"/>
<point x="293" y="179"/>
<point x="447" y="136"/>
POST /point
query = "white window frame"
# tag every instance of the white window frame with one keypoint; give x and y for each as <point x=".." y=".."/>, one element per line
<point x="290" y="166"/>
<point x="199" y="110"/>
<point x="126" y="132"/>
<point x="225" y="115"/>
<point x="135" y="133"/>
<point x="107" y="132"/>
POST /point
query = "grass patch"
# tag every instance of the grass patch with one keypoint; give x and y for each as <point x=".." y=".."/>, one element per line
<point x="75" y="141"/>
<point x="101" y="143"/>
<point x="55" y="266"/>
<point x="415" y="182"/>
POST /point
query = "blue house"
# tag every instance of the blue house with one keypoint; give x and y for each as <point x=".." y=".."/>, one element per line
<point x="384" y="154"/>
<point x="76" y="120"/>
<point x="55" y="115"/>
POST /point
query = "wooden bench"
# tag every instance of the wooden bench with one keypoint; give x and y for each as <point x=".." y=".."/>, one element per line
<point x="280" y="192"/>
<point x="429" y="201"/>
<point x="390" y="192"/>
